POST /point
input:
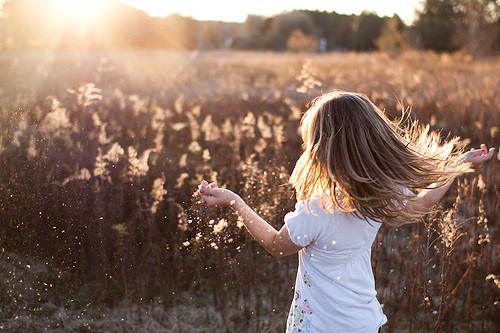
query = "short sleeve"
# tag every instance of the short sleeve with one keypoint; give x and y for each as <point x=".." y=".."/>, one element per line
<point x="302" y="228"/>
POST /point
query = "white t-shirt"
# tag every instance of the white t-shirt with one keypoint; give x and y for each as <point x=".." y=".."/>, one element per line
<point x="335" y="287"/>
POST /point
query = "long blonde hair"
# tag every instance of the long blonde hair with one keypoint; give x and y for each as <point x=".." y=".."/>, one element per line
<point x="365" y="163"/>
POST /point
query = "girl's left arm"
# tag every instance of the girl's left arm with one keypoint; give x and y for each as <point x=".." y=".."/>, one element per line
<point x="429" y="197"/>
<point x="277" y="243"/>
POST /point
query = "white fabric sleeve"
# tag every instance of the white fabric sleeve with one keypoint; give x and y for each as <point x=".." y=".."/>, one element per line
<point x="302" y="228"/>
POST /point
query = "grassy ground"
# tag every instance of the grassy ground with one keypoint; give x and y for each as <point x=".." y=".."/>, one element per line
<point x="100" y="153"/>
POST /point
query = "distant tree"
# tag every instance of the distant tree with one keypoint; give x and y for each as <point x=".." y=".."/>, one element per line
<point x="281" y="26"/>
<point x="300" y="42"/>
<point x="209" y="38"/>
<point x="392" y="37"/>
<point x="34" y="24"/>
<point x="449" y="25"/>
<point x="178" y="32"/>
<point x="344" y="35"/>
<point x="336" y="29"/>
<point x="216" y="34"/>
<point x="252" y="32"/>
<point x="436" y="25"/>
<point x="37" y="24"/>
<point x="480" y="26"/>
<point x="367" y="28"/>
<point x="341" y="32"/>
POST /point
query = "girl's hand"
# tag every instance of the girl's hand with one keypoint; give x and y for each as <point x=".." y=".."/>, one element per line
<point x="214" y="196"/>
<point x="478" y="156"/>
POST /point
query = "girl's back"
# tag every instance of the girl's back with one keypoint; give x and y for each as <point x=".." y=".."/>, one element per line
<point x="359" y="161"/>
<point x="335" y="287"/>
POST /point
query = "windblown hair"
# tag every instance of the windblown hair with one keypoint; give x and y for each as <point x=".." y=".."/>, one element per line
<point x="365" y="163"/>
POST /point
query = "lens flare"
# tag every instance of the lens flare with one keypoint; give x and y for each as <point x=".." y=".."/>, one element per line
<point x="79" y="9"/>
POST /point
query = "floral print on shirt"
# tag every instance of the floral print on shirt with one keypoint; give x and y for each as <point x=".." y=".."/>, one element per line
<point x="299" y="320"/>
<point x="307" y="279"/>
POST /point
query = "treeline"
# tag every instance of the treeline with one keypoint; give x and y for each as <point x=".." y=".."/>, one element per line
<point x="441" y="25"/>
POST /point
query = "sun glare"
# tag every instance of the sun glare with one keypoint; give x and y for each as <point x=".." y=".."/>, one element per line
<point x="79" y="9"/>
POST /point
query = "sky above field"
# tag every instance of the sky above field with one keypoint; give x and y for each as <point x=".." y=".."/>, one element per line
<point x="237" y="11"/>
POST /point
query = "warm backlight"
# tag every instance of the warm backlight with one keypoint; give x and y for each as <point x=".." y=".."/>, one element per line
<point x="79" y="9"/>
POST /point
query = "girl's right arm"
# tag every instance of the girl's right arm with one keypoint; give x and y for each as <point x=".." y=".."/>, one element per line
<point x="276" y="242"/>
<point x="429" y="197"/>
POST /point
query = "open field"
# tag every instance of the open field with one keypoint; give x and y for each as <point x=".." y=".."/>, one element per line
<point x="100" y="153"/>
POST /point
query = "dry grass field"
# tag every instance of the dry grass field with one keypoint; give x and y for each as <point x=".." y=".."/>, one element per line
<point x="100" y="154"/>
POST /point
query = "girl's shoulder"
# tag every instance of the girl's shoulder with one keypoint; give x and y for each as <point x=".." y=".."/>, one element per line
<point x="316" y="205"/>
<point x="320" y="209"/>
<point x="312" y="211"/>
<point x="307" y="222"/>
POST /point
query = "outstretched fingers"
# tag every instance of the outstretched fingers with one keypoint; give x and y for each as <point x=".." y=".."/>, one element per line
<point x="483" y="154"/>
<point x="209" y="193"/>
<point x="203" y="184"/>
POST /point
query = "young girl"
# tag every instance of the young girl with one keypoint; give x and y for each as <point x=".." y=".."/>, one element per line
<point x="358" y="170"/>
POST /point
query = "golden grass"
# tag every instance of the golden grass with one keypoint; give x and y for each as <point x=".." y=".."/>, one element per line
<point x="100" y="154"/>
